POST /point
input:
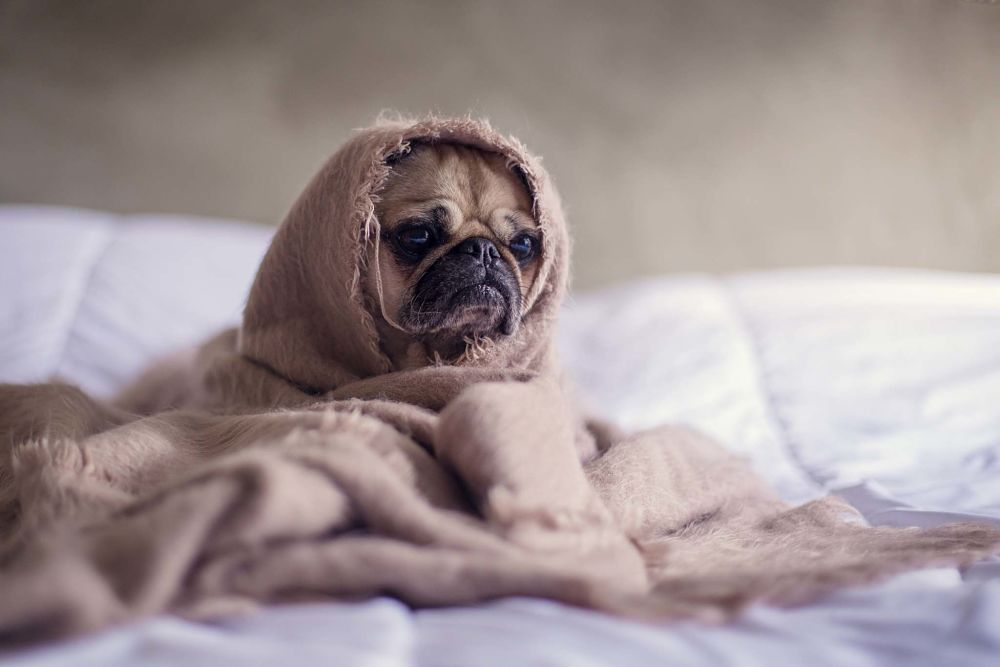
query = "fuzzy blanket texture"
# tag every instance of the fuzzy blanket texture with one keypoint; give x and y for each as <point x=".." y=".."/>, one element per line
<point x="291" y="461"/>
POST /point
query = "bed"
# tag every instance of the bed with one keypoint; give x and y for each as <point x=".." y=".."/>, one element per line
<point x="881" y="385"/>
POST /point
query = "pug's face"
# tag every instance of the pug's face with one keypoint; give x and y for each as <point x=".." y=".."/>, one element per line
<point x="459" y="247"/>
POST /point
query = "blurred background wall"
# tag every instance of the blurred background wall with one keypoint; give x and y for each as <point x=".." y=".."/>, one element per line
<point x="686" y="135"/>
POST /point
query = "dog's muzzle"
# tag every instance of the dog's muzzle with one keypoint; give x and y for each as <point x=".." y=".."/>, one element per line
<point x="470" y="290"/>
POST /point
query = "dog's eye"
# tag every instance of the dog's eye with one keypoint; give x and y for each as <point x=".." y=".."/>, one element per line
<point x="415" y="240"/>
<point x="523" y="247"/>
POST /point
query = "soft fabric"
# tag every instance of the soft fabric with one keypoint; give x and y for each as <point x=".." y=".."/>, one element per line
<point x="880" y="380"/>
<point x="303" y="465"/>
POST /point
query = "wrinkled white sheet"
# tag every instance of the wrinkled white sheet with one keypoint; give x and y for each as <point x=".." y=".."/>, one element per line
<point x="882" y="385"/>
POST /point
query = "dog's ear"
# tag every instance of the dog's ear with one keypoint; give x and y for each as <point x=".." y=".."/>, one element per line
<point x="397" y="154"/>
<point x="521" y="176"/>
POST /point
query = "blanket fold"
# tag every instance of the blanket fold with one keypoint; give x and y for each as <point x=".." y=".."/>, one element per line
<point x="289" y="460"/>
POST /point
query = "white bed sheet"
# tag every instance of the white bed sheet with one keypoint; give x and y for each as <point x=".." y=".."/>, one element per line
<point x="882" y="385"/>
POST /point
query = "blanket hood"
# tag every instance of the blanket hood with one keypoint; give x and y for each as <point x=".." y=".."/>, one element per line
<point x="306" y="317"/>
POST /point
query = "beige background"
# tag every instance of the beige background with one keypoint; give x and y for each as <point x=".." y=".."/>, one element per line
<point x="695" y="135"/>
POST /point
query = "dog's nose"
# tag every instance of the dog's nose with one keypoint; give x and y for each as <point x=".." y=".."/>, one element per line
<point x="480" y="248"/>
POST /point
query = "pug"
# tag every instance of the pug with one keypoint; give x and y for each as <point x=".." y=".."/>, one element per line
<point x="457" y="253"/>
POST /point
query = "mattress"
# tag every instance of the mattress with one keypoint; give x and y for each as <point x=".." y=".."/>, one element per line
<point x="880" y="385"/>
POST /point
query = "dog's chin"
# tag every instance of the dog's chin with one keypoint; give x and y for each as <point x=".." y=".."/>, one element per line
<point x="476" y="311"/>
<point x="480" y="310"/>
